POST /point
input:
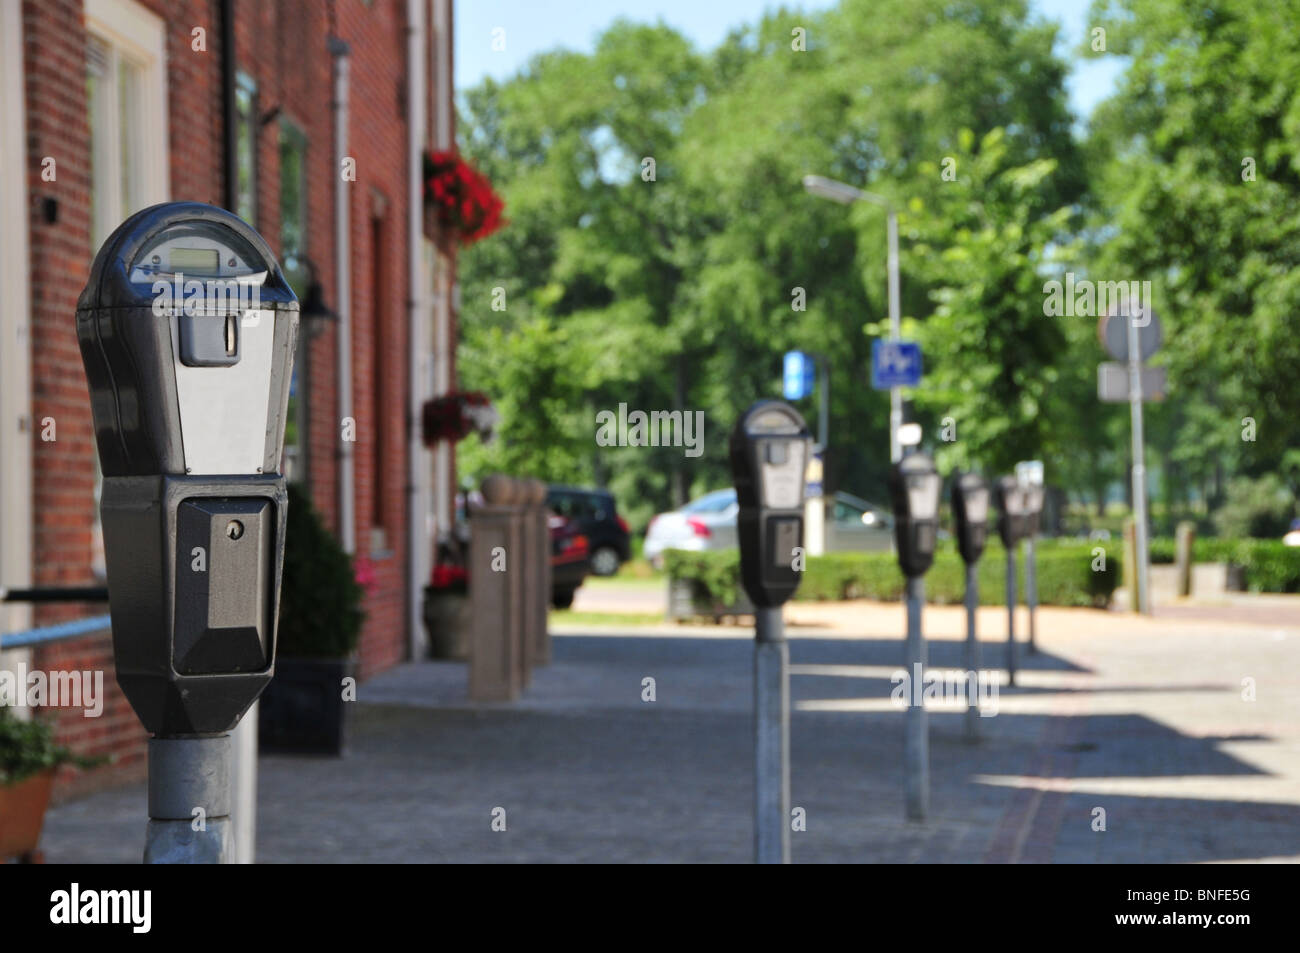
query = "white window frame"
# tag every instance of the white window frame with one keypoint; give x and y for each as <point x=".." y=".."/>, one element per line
<point x="131" y="31"/>
<point x="15" y="337"/>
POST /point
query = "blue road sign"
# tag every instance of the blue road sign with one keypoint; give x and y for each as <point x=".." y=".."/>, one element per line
<point x="798" y="376"/>
<point x="895" y="364"/>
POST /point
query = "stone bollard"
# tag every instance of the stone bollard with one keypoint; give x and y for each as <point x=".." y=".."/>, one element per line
<point x="1184" y="537"/>
<point x="538" y="598"/>
<point x="497" y="667"/>
<point x="1130" y="563"/>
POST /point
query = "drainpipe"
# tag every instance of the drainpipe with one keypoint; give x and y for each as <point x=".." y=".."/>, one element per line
<point x="418" y="553"/>
<point x="339" y="50"/>
<point x="230" y="133"/>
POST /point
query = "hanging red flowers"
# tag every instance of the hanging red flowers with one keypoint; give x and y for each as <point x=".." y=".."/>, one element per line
<point x="453" y="417"/>
<point x="460" y="198"/>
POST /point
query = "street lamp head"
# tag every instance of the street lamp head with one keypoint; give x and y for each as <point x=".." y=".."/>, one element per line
<point x="826" y="188"/>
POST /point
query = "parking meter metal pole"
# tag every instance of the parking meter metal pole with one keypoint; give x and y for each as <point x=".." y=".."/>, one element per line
<point x="771" y="739"/>
<point x="971" y="659"/>
<point x="970" y="510"/>
<point x="189" y="802"/>
<point x="1139" y="462"/>
<point x="1011" y="615"/>
<point x="1031" y="590"/>
<point x="916" y="735"/>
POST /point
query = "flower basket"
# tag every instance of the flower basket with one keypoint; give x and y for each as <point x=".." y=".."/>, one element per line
<point x="459" y="202"/>
<point x="454" y="417"/>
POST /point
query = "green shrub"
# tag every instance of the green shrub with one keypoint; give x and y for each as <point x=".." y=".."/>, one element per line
<point x="320" y="600"/>
<point x="1065" y="576"/>
<point x="27" y="748"/>
<point x="1270" y="565"/>
<point x="1261" y="508"/>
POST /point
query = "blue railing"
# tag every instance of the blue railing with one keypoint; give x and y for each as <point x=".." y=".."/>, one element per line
<point x="45" y="634"/>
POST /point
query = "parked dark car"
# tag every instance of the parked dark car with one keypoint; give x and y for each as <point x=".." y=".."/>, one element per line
<point x="569" y="556"/>
<point x="569" y="552"/>
<point x="595" y="512"/>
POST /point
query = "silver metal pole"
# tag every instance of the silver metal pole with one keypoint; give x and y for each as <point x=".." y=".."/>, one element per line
<point x="771" y="739"/>
<point x="971" y="661"/>
<point x="189" y="801"/>
<point x="1011" y="615"/>
<point x="1139" y="462"/>
<point x="916" y="740"/>
<point x="824" y="409"/>
<point x="243" y="742"/>
<point x="895" y="333"/>
<point x="1031" y="589"/>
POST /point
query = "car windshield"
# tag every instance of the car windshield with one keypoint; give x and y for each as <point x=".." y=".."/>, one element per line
<point x="714" y="502"/>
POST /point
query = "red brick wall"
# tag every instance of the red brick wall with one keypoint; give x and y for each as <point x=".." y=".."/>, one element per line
<point x="282" y="45"/>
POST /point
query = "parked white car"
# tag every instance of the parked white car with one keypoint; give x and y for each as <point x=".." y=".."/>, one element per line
<point x="709" y="523"/>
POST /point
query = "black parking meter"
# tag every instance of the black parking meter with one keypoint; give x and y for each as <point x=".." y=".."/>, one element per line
<point x="1033" y="497"/>
<point x="769" y="454"/>
<point x="914" y="490"/>
<point x="970" y="508"/>
<point x="1013" y="520"/>
<point x="187" y="330"/>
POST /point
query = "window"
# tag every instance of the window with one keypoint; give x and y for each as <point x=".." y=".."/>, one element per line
<point x="246" y="126"/>
<point x="293" y="205"/>
<point x="126" y="98"/>
<point x="293" y="261"/>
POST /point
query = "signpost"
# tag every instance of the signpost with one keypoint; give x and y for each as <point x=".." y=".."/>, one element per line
<point x="798" y="376"/>
<point x="1131" y="335"/>
<point x="895" y="364"/>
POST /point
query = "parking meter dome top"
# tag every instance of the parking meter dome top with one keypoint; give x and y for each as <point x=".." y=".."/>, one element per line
<point x="914" y="490"/>
<point x="915" y="487"/>
<point x="970" y="508"/>
<point x="764" y="419"/>
<point x="186" y="379"/>
<point x="970" y="498"/>
<point x="124" y="272"/>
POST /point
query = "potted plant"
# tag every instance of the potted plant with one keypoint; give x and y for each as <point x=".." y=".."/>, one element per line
<point x="447" y="613"/>
<point x="304" y="708"/>
<point x="28" y="760"/>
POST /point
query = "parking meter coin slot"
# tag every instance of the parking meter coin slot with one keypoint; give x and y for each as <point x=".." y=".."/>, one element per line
<point x="209" y="340"/>
<point x="224" y="555"/>
<point x="784" y="533"/>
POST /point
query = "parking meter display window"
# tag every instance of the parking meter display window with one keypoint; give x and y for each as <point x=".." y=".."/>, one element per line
<point x="197" y="250"/>
<point x="224" y="577"/>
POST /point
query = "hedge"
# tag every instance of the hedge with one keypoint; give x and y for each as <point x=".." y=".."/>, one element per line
<point x="1270" y="565"/>
<point x="1066" y="576"/>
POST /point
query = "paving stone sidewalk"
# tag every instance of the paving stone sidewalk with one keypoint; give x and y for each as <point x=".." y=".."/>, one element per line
<point x="1144" y="719"/>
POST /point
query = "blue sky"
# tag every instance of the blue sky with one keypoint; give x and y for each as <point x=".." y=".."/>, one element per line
<point x="532" y="26"/>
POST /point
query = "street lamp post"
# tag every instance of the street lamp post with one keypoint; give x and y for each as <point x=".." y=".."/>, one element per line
<point x="846" y="194"/>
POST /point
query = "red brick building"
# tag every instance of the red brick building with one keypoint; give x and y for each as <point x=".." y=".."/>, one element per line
<point x="307" y="118"/>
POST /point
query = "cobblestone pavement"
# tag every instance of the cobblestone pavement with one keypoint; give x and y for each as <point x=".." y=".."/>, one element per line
<point x="1143" y="718"/>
